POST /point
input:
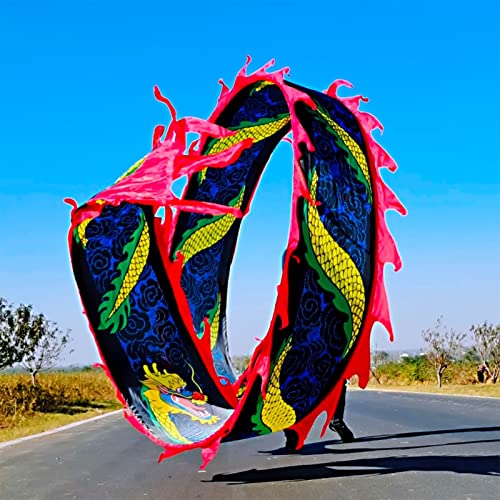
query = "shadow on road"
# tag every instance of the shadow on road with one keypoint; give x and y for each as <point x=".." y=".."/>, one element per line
<point x="488" y="465"/>
<point x="78" y="407"/>
<point x="429" y="433"/>
<point x="321" y="447"/>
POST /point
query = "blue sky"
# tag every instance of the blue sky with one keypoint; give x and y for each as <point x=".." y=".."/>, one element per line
<point x="77" y="107"/>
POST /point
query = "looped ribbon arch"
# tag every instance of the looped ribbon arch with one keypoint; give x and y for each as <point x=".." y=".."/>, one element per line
<point x="154" y="289"/>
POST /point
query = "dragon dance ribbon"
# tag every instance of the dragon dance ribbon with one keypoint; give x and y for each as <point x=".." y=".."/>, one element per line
<point x="154" y="286"/>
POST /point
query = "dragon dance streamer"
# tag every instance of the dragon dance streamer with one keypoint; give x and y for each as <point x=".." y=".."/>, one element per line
<point x="155" y="289"/>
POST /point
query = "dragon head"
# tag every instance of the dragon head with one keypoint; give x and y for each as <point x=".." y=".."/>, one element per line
<point x="168" y="390"/>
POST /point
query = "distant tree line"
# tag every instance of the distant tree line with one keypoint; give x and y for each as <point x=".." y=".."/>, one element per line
<point x="29" y="339"/>
<point x="36" y="344"/>
<point x="445" y="347"/>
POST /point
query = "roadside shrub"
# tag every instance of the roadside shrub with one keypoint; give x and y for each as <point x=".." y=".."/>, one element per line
<point x="418" y="370"/>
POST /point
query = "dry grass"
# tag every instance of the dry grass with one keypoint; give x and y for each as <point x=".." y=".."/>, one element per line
<point x="65" y="397"/>
<point x="40" y="422"/>
<point x="91" y="384"/>
<point x="60" y="398"/>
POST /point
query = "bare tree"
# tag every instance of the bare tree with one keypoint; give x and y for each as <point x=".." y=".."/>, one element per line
<point x="20" y="331"/>
<point x="487" y="346"/>
<point x="378" y="358"/>
<point x="443" y="347"/>
<point x="48" y="350"/>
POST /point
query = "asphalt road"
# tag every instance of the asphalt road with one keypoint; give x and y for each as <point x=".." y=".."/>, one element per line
<point x="409" y="447"/>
